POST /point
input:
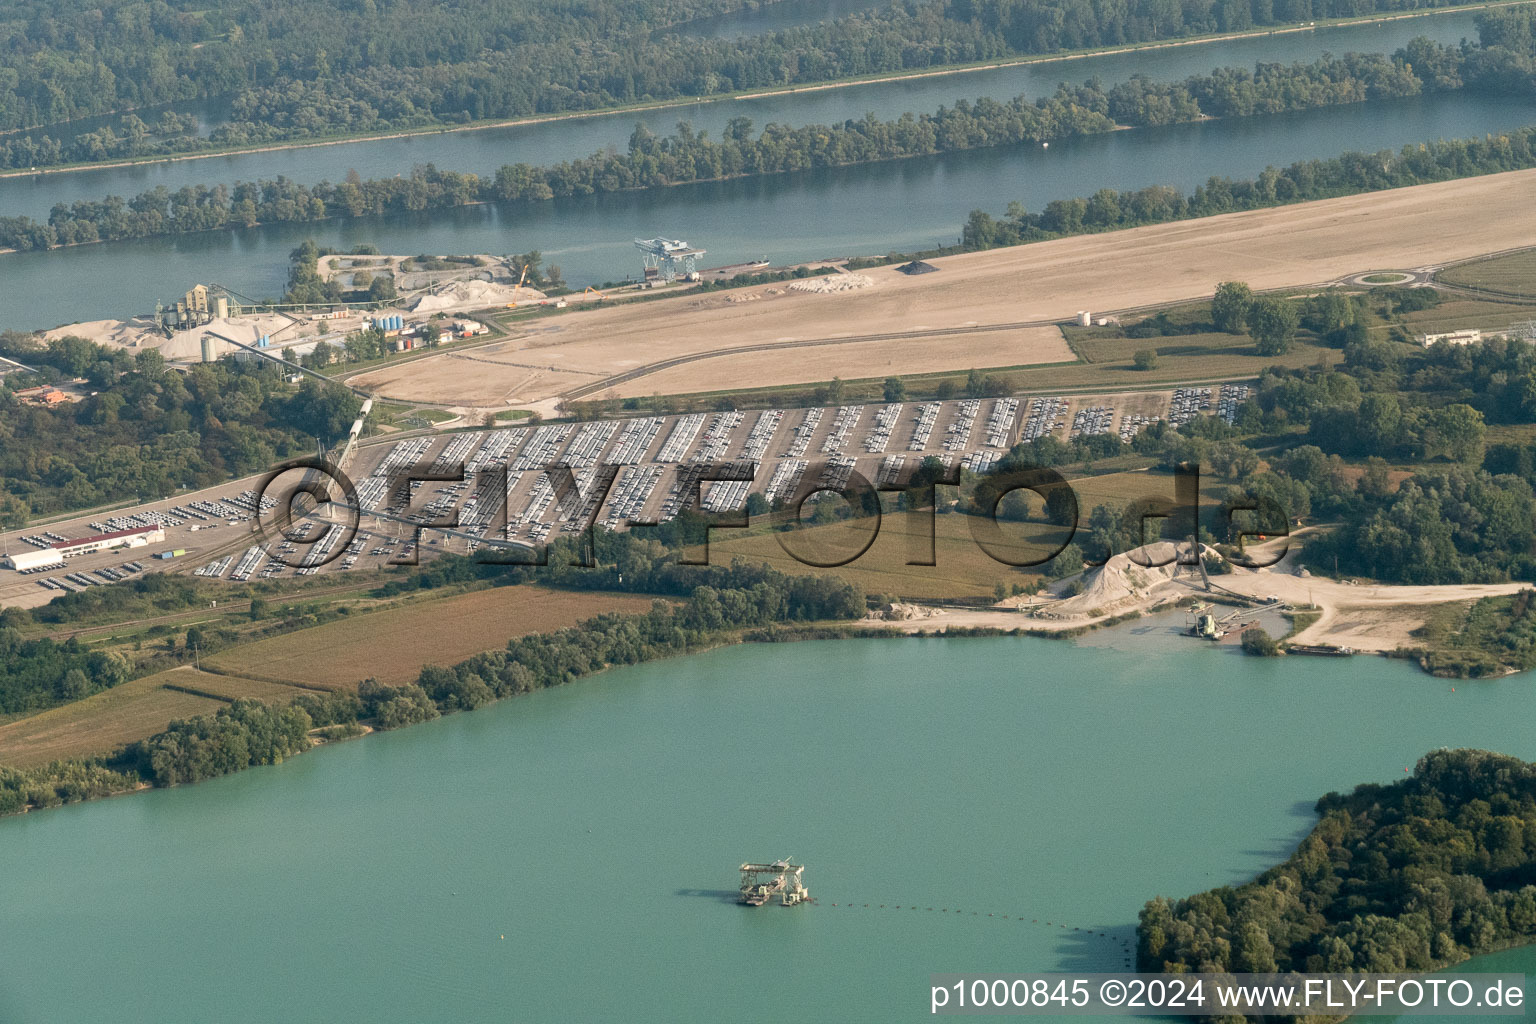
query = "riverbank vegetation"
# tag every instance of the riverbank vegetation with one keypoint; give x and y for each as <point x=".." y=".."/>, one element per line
<point x="716" y="604"/>
<point x="335" y="67"/>
<point x="1503" y="65"/>
<point x="1492" y="637"/>
<point x="1408" y="877"/>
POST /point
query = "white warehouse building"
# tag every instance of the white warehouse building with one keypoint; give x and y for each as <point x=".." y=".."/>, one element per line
<point x="33" y="561"/>
<point x="53" y="557"/>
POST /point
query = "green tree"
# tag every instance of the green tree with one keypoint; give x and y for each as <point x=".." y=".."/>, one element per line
<point x="1262" y="645"/>
<point x="1376" y="481"/>
<point x="1272" y="322"/>
<point x="1458" y="430"/>
<point x="74" y="685"/>
<point x="1229" y="307"/>
<point x="1378" y="422"/>
<point x="895" y="389"/>
<point x="14" y="513"/>
<point x="1145" y="359"/>
<point x="150" y="363"/>
<point x="1330" y="311"/>
<point x="1069" y="561"/>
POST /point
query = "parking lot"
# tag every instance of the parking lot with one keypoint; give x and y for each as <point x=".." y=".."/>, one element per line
<point x="655" y="462"/>
<point x="194" y="524"/>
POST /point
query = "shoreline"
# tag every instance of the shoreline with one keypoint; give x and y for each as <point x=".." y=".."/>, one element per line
<point x="744" y="176"/>
<point x="644" y="107"/>
<point x="979" y="623"/>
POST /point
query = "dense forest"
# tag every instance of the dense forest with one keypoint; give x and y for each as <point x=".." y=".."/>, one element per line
<point x="41" y="673"/>
<point x="1468" y="517"/>
<point x="688" y="156"/>
<point x="332" y="66"/>
<point x="148" y="430"/>
<point x="1409" y="877"/>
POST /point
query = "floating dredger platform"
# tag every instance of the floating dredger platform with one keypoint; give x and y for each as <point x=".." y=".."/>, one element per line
<point x="762" y="882"/>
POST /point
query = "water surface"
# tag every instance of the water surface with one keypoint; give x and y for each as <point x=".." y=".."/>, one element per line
<point x="597" y="828"/>
<point x="848" y="211"/>
<point x="550" y="142"/>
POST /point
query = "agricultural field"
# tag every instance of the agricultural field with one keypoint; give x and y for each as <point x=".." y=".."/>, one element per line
<point x="393" y="646"/>
<point x="1196" y="356"/>
<point x="133" y="711"/>
<point x="963" y="569"/>
<point x="853" y="360"/>
<point x="1457" y="313"/>
<point x="231" y="688"/>
<point x="1512" y="274"/>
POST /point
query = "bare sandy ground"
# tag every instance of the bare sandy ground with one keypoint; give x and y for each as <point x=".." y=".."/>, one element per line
<point x="486" y="378"/>
<point x="139" y="333"/>
<point x="1290" y="246"/>
<point x="1371" y="618"/>
<point x="853" y="360"/>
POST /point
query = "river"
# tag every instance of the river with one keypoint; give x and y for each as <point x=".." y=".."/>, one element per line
<point x="550" y="142"/>
<point x="571" y="855"/>
<point x="861" y="210"/>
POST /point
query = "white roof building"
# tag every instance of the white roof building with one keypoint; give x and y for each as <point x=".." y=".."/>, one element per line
<point x="1467" y="337"/>
<point x="29" y="561"/>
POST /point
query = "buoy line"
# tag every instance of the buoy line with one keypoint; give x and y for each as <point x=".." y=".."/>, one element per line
<point x="1111" y="946"/>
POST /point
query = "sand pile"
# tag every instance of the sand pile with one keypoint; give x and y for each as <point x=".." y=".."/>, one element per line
<point x="1121" y="584"/>
<point x="899" y="612"/>
<point x="832" y="283"/>
<point x="122" y="333"/>
<point x="473" y="293"/>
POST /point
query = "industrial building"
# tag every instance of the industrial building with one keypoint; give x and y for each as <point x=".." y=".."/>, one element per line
<point x="200" y="305"/>
<point x="54" y="555"/>
<point x="48" y="397"/>
<point x="34" y="561"/>
<point x="1467" y="337"/>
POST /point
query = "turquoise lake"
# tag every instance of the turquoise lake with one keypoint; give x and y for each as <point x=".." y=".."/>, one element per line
<point x="597" y="828"/>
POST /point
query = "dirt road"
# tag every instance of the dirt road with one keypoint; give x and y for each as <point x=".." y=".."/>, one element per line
<point x="1308" y="243"/>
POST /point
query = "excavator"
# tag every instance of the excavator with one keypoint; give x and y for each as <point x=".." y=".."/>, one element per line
<point x="520" y="280"/>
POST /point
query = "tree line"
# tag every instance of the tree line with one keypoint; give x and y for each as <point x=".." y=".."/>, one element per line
<point x="1408" y="877"/>
<point x="688" y="156"/>
<point x="711" y="604"/>
<point x="1466" y="516"/>
<point x="348" y="66"/>
<point x="41" y="673"/>
<point x="650" y="162"/>
<point x="1347" y="174"/>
